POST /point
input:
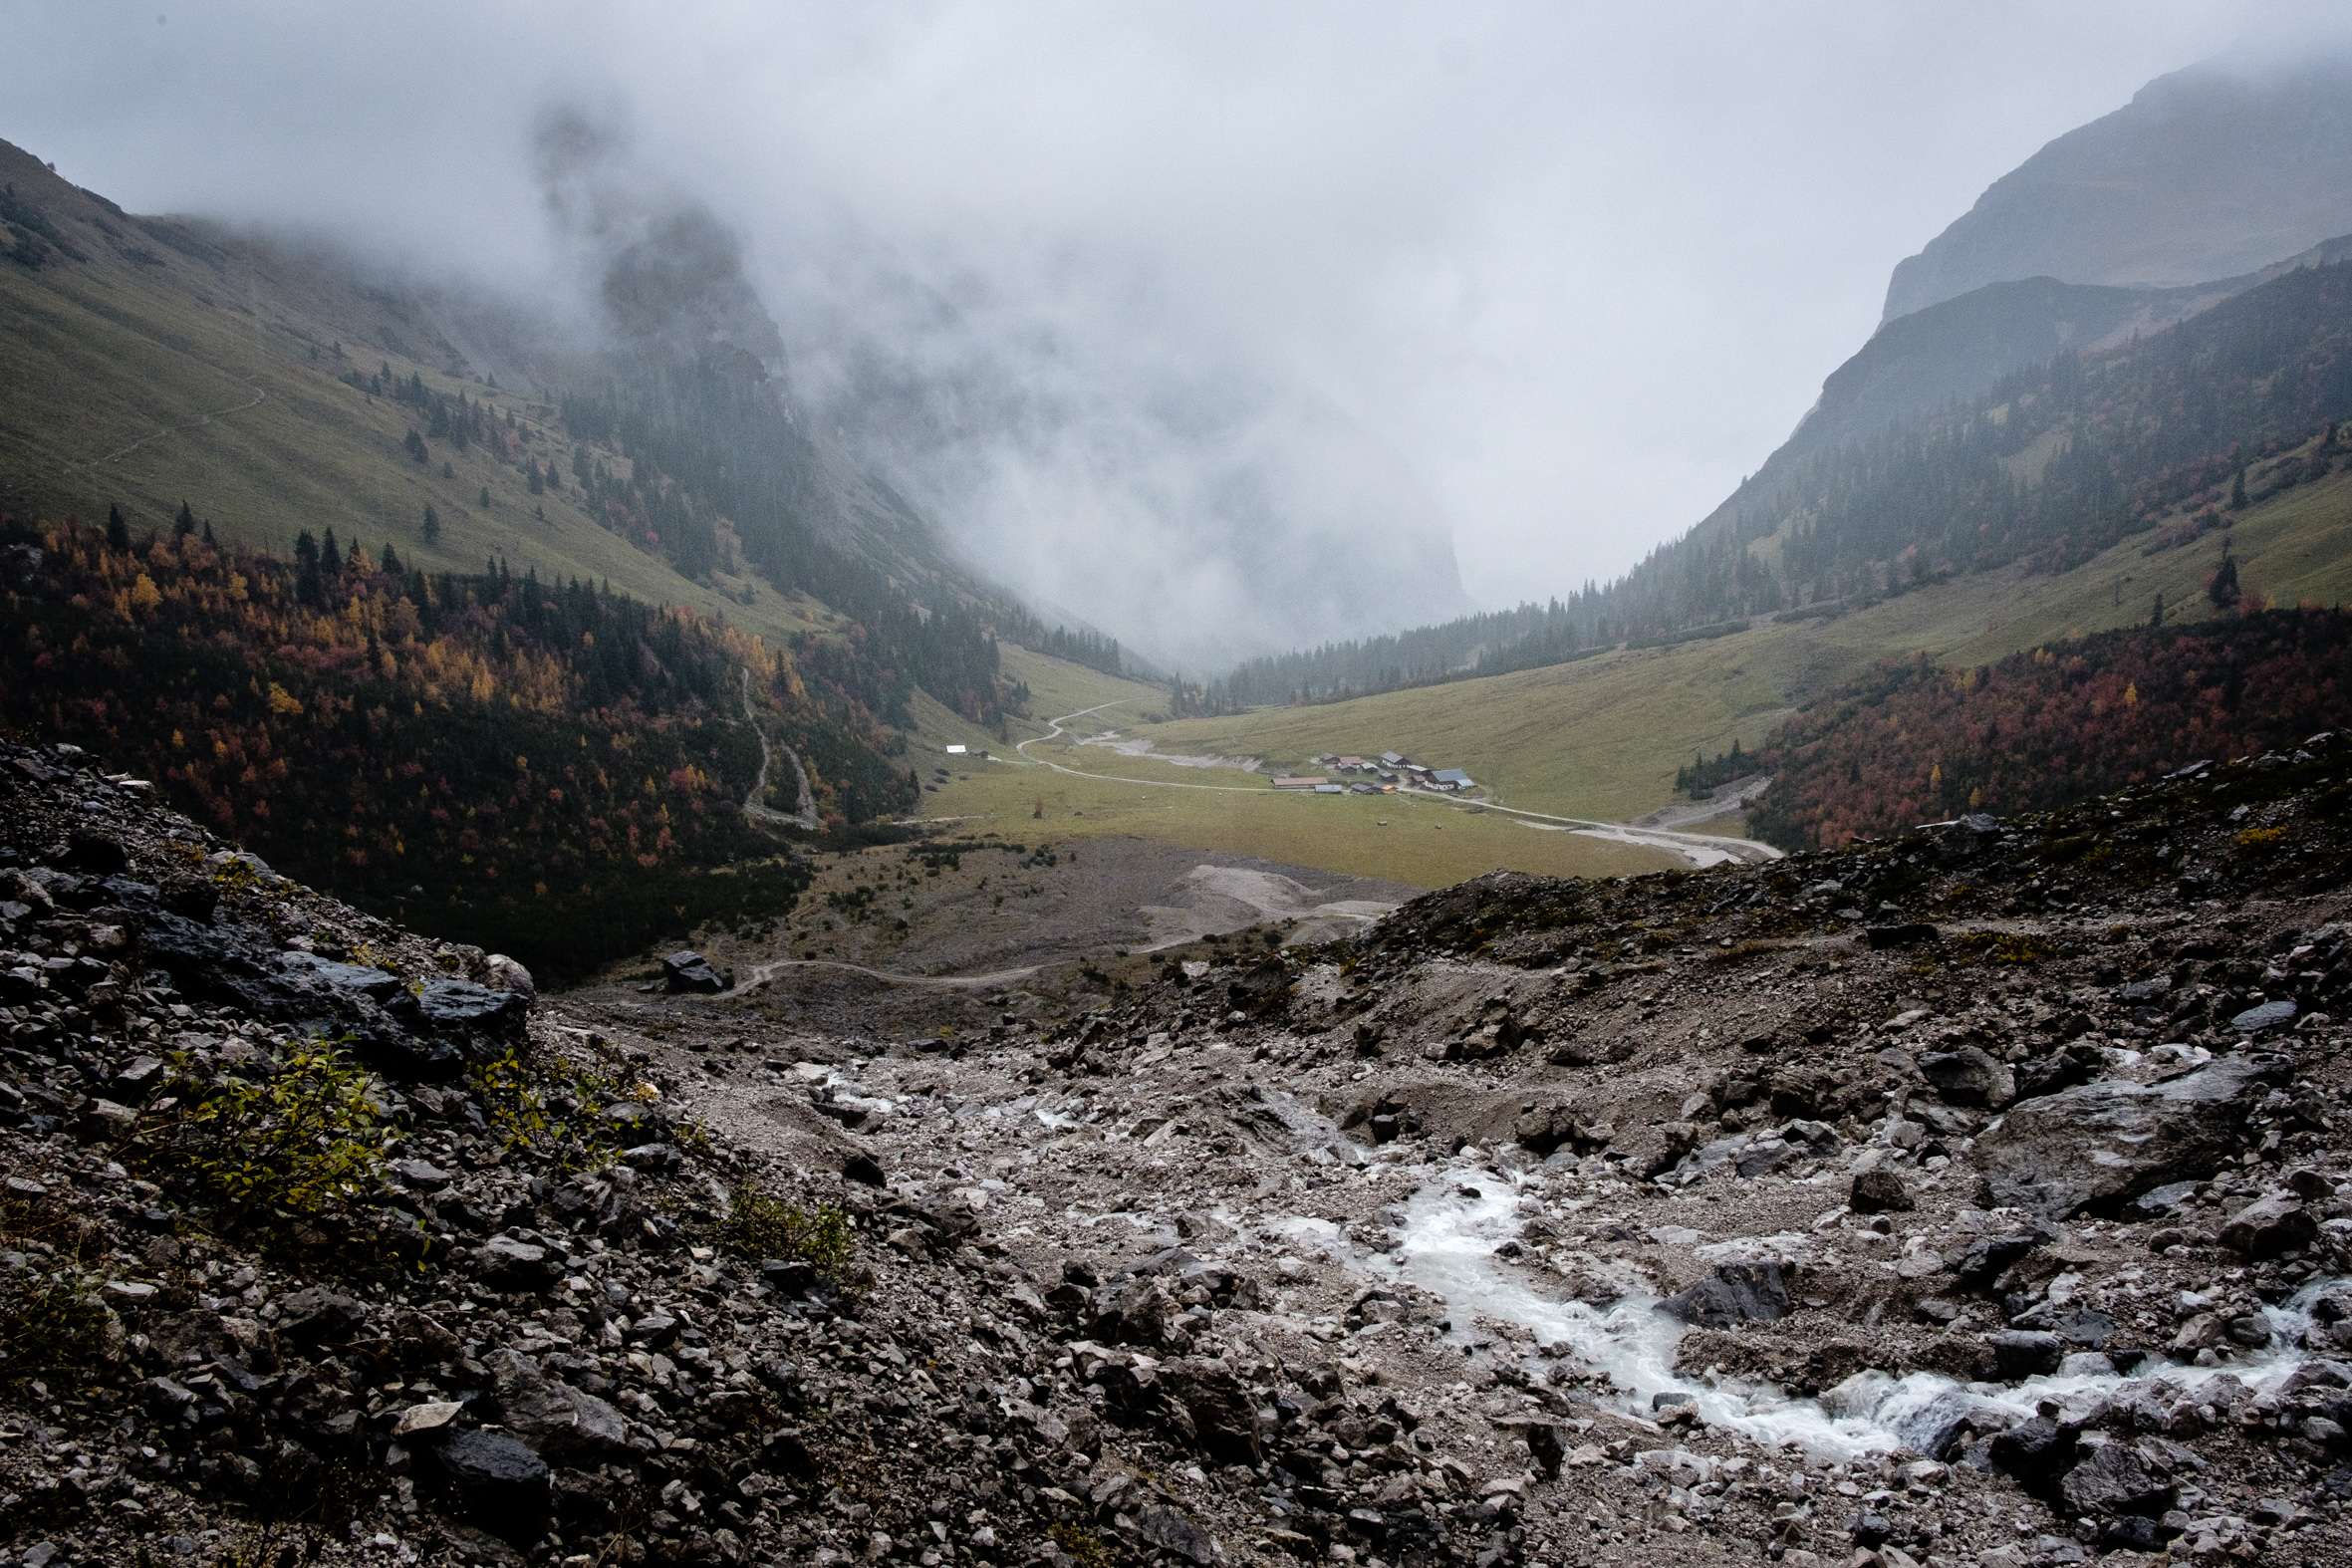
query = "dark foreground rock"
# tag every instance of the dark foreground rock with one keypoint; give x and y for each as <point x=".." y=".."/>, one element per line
<point x="689" y="972"/>
<point x="2101" y="1145"/>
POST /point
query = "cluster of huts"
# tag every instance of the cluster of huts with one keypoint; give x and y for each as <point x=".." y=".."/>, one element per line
<point x="1381" y="775"/>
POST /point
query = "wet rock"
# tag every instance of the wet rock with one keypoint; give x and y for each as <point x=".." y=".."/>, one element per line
<point x="1733" y="1293"/>
<point x="1543" y="1129"/>
<point x="1980" y="1261"/>
<point x="2036" y="1451"/>
<point x="463" y="1006"/>
<point x="316" y="1316"/>
<point x="2018" y="1354"/>
<point x="2270" y="1225"/>
<point x="562" y="1423"/>
<point x="2114" y="1478"/>
<point x="1224" y="1413"/>
<point x="2100" y="1146"/>
<point x="688" y="971"/>
<point x="2159" y="1201"/>
<point x="2080" y="1327"/>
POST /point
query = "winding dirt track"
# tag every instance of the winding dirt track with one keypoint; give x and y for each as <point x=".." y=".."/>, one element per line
<point x="1700" y="848"/>
<point x="170" y="429"/>
<point x="755" y="804"/>
<point x="762" y="973"/>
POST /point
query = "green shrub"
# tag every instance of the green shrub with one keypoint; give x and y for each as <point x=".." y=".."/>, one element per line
<point x="1082" y="1545"/>
<point x="51" y="1323"/>
<point x="304" y="1143"/>
<point x="550" y="1105"/>
<point x="760" y="1225"/>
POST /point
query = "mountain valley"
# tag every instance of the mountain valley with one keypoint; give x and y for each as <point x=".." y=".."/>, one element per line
<point x="791" y="845"/>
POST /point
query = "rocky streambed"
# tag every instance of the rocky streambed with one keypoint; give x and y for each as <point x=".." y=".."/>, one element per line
<point x="1979" y="1196"/>
<point x="2004" y="1219"/>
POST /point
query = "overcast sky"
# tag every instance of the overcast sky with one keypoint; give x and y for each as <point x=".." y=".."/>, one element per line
<point x="1580" y="267"/>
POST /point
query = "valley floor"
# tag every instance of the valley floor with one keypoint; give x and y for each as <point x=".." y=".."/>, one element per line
<point x="1975" y="1197"/>
<point x="1658" y="1222"/>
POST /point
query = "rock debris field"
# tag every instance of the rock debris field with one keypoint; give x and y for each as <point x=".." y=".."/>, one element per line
<point x="1979" y="1196"/>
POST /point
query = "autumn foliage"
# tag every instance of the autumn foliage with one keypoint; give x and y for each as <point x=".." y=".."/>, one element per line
<point x="553" y="769"/>
<point x="1916" y="742"/>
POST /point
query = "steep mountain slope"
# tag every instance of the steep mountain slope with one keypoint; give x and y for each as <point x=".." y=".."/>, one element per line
<point x="279" y="386"/>
<point x="1603" y="735"/>
<point x="543" y="767"/>
<point x="2050" y="466"/>
<point x="1954" y="351"/>
<point x="1914" y="743"/>
<point x="2208" y="172"/>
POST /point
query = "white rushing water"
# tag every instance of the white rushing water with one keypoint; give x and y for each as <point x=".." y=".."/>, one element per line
<point x="1446" y="1246"/>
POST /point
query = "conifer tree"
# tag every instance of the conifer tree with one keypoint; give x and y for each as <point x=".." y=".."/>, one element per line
<point x="118" y="529"/>
<point x="2223" y="590"/>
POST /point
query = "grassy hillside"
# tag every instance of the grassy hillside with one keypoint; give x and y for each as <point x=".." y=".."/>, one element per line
<point x="1603" y="737"/>
<point x="147" y="362"/>
<point x="98" y="357"/>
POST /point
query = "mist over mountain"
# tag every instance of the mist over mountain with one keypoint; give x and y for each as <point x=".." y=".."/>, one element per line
<point x="2218" y="169"/>
<point x="1200" y="508"/>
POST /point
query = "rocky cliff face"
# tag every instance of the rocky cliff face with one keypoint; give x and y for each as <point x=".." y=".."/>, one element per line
<point x="1975" y="1197"/>
<point x="2207" y="174"/>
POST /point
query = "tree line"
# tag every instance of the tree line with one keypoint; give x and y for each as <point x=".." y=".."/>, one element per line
<point x="1914" y="743"/>
<point x="2055" y="464"/>
<point x="547" y="767"/>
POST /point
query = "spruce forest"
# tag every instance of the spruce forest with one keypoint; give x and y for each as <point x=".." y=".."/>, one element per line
<point x="548" y="768"/>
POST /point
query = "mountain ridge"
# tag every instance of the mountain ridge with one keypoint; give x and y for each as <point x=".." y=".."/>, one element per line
<point x="2208" y="172"/>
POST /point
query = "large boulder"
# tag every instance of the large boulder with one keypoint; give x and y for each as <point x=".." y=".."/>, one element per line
<point x="428" y="1032"/>
<point x="2113" y="1478"/>
<point x="1734" y="1293"/>
<point x="2270" y="1225"/>
<point x="1970" y="1075"/>
<point x="496" y="1483"/>
<point x="689" y="972"/>
<point x="2097" y="1147"/>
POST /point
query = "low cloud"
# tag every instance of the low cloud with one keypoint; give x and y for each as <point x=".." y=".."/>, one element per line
<point x="1542" y="281"/>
